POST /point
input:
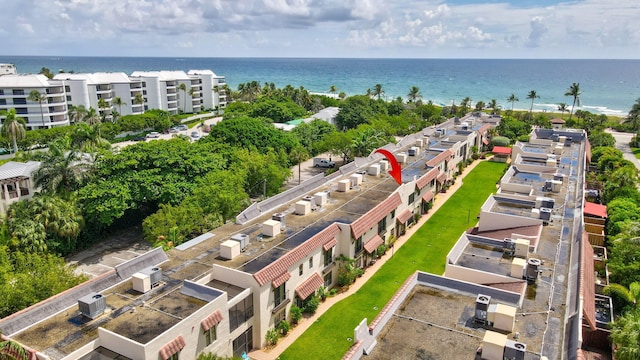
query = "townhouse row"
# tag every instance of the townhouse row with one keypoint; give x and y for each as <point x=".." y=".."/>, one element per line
<point x="224" y="290"/>
<point x="172" y="91"/>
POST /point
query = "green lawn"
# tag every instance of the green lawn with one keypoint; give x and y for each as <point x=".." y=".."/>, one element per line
<point x="426" y="251"/>
<point x="636" y="152"/>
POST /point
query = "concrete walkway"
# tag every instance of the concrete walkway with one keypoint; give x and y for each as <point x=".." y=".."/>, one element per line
<point x="440" y="199"/>
<point x="622" y="144"/>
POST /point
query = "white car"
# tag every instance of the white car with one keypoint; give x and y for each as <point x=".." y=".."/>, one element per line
<point x="195" y="134"/>
<point x="153" y="135"/>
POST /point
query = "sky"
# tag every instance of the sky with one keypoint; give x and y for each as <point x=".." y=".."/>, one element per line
<point x="323" y="28"/>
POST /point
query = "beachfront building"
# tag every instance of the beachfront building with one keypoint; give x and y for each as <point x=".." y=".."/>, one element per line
<point x="224" y="290"/>
<point x="214" y="95"/>
<point x="524" y="283"/>
<point x="50" y="111"/>
<point x="16" y="183"/>
<point x="8" y="69"/>
<point x="99" y="90"/>
<point x="173" y="91"/>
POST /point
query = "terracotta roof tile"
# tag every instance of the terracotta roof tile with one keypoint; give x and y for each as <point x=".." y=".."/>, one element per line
<point x="333" y="242"/>
<point x="484" y="128"/>
<point x="442" y="178"/>
<point x="171" y="348"/>
<point x="428" y="196"/>
<point x="425" y="179"/>
<point x="587" y="283"/>
<point x="594" y="209"/>
<point x="404" y="216"/>
<point x="443" y="156"/>
<point x="501" y="150"/>
<point x="211" y="320"/>
<point x="282" y="265"/>
<point x="281" y="279"/>
<point x="373" y="244"/>
<point x="309" y="286"/>
<point x="368" y="220"/>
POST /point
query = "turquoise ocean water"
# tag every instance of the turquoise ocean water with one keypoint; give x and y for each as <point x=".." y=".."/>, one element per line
<point x="609" y="86"/>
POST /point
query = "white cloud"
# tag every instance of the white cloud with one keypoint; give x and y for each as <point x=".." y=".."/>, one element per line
<point x="353" y="27"/>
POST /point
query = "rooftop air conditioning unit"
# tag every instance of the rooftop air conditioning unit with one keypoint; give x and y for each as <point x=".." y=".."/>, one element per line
<point x="92" y="305"/>
<point x="413" y="151"/>
<point x="545" y="214"/>
<point x="514" y="350"/>
<point x="154" y="273"/>
<point x="482" y="305"/>
<point x="438" y="133"/>
<point x="509" y="246"/>
<point x="533" y="266"/>
<point x="279" y="217"/>
<point x="243" y="239"/>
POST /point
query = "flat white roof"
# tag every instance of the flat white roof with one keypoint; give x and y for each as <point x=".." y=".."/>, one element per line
<point x="13" y="169"/>
<point x="96" y="78"/>
<point x="25" y="81"/>
<point x="163" y="74"/>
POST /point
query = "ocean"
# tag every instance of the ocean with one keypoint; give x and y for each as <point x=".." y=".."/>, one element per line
<point x="609" y="86"/>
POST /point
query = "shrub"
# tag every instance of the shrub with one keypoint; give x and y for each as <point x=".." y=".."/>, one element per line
<point x="296" y="314"/>
<point x="272" y="337"/>
<point x="500" y="141"/>
<point x="284" y="327"/>
<point x="311" y="305"/>
<point x="322" y="293"/>
<point x="381" y="250"/>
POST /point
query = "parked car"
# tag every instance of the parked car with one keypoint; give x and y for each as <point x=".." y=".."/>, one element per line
<point x="195" y="134"/>
<point x="139" y="138"/>
<point x="153" y="135"/>
<point x="325" y="163"/>
<point x="174" y="130"/>
<point x="182" y="127"/>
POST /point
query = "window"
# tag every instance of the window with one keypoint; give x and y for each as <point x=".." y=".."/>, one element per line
<point x="67" y="88"/>
<point x="279" y="316"/>
<point x="279" y="294"/>
<point x="69" y="98"/>
<point x="144" y="92"/>
<point x="211" y="335"/>
<point x="22" y="111"/>
<point x="175" y="356"/>
<point x="241" y="312"/>
<point x="243" y="343"/>
<point x="393" y="213"/>
<point x="412" y="198"/>
<point x="310" y="262"/>
<point x="328" y="257"/>
<point x="327" y="279"/>
<point x="19" y="101"/>
<point x="382" y="225"/>
<point x="3" y="101"/>
<point x="1" y="92"/>
<point x="300" y="270"/>
<point x="18" y="91"/>
<point x="358" y="245"/>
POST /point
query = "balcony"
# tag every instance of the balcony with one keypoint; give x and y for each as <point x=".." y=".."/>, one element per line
<point x="55" y="90"/>
<point x="57" y="100"/>
<point x="103" y="88"/>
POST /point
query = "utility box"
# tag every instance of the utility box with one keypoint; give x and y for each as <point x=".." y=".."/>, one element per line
<point x="384" y="165"/>
<point x="420" y="143"/>
<point x="356" y="180"/>
<point x="374" y="170"/>
<point x="303" y="207"/>
<point x="517" y="267"/>
<point x="493" y="345"/>
<point x="514" y="350"/>
<point x="503" y="317"/>
<point x="521" y="248"/>
<point x="321" y="198"/>
<point x="551" y="162"/>
<point x="344" y="185"/>
<point x="414" y="151"/>
<point x="557" y="150"/>
<point x="535" y="213"/>
<point x="401" y="157"/>
<point x="229" y="249"/>
<point x="154" y="273"/>
<point x="92" y="305"/>
<point x="242" y="239"/>
<point x="271" y="228"/>
<point x="141" y="282"/>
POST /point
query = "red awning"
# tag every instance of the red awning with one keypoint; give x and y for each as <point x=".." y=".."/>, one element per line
<point x="442" y="178"/>
<point x="485" y="141"/>
<point x="281" y="279"/>
<point x="501" y="150"/>
<point x="309" y="286"/>
<point x="404" y="216"/>
<point x="211" y="320"/>
<point x="373" y="244"/>
<point x="333" y="242"/>
<point x="171" y="348"/>
<point x="594" y="209"/>
<point x="428" y="196"/>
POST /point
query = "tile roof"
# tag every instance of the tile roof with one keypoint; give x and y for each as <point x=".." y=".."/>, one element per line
<point x="373" y="244"/>
<point x="211" y="320"/>
<point x="428" y="196"/>
<point x="171" y="348"/>
<point x="484" y="128"/>
<point x="425" y="179"/>
<point x="594" y="209"/>
<point x="309" y="286"/>
<point x="501" y="150"/>
<point x="443" y="156"/>
<point x="442" y="178"/>
<point x="281" y="279"/>
<point x="587" y="283"/>
<point x="368" y="220"/>
<point x="404" y="216"/>
<point x="333" y="242"/>
<point x="282" y="265"/>
<point x="13" y="169"/>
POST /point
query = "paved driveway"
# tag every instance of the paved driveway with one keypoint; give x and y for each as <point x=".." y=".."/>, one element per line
<point x="622" y="144"/>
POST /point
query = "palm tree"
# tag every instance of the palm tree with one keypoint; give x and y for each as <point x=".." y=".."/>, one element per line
<point x="182" y="87"/>
<point x="625" y="335"/>
<point x="139" y="100"/>
<point x="493" y="105"/>
<point x="77" y="113"/>
<point x="11" y="350"/>
<point x="192" y="92"/>
<point x="61" y="172"/>
<point x="634" y="115"/>
<point x="13" y="128"/>
<point x="103" y="105"/>
<point x="298" y="155"/>
<point x="333" y="89"/>
<point x="630" y="295"/>
<point x="35" y="95"/>
<point x="532" y="95"/>
<point x="414" y="94"/>
<point x="88" y="139"/>
<point x="573" y="91"/>
<point x="512" y="99"/>
<point x="377" y="90"/>
<point x="480" y="105"/>
<point x="562" y="107"/>
<point x="117" y="101"/>
<point x="91" y="117"/>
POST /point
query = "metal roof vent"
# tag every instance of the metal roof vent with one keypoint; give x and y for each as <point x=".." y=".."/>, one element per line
<point x="532" y="269"/>
<point x="92" y="305"/>
<point x="514" y="350"/>
<point x="482" y="305"/>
